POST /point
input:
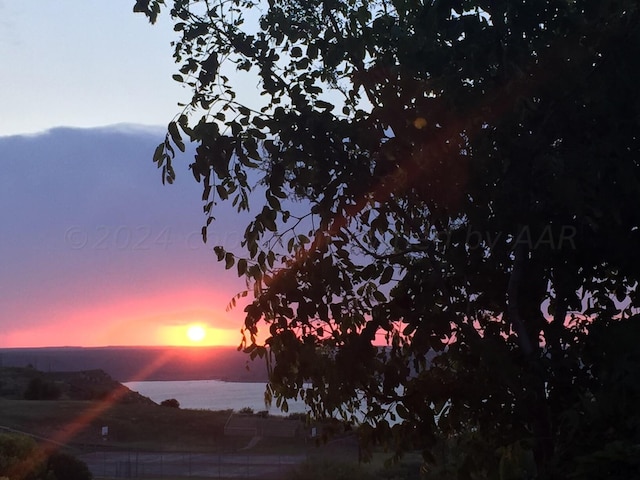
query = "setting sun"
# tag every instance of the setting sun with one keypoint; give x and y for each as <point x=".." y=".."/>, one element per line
<point x="196" y="333"/>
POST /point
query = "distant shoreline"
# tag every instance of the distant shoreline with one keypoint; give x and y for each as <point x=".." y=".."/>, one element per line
<point x="145" y="363"/>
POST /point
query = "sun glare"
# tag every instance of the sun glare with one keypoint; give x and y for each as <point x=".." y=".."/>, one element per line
<point x="196" y="333"/>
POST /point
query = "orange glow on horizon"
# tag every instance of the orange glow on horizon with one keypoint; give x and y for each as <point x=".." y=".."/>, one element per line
<point x="159" y="319"/>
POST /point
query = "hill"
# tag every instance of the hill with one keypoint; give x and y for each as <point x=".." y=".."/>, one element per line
<point x="142" y="363"/>
<point x="20" y="383"/>
<point x="85" y="401"/>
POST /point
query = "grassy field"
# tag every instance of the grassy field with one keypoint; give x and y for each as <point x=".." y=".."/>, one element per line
<point x="144" y="427"/>
<point x="133" y="426"/>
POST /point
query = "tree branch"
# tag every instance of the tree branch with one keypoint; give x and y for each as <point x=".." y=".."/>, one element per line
<point x="513" y="289"/>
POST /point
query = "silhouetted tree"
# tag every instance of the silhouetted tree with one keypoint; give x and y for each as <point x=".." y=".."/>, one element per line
<point x="459" y="179"/>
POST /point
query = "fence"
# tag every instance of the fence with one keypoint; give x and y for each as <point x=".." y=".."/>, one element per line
<point x="132" y="464"/>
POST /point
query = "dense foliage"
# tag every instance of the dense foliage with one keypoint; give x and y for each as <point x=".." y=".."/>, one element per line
<point x="459" y="179"/>
<point x="18" y="459"/>
<point x="21" y="458"/>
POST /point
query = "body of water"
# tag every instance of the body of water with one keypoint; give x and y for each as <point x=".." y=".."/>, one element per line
<point x="212" y="395"/>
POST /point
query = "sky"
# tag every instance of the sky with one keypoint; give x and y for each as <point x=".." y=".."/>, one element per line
<point x="83" y="63"/>
<point x="94" y="250"/>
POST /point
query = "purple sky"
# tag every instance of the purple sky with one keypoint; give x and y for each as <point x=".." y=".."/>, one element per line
<point x="96" y="251"/>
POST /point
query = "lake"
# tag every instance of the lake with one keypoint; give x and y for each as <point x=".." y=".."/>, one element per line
<point x="212" y="395"/>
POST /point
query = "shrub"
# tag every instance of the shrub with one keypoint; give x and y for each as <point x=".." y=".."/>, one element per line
<point x="170" y="402"/>
<point x="67" y="467"/>
<point x="18" y="457"/>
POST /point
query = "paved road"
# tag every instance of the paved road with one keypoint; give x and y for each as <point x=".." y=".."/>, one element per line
<point x="148" y="464"/>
